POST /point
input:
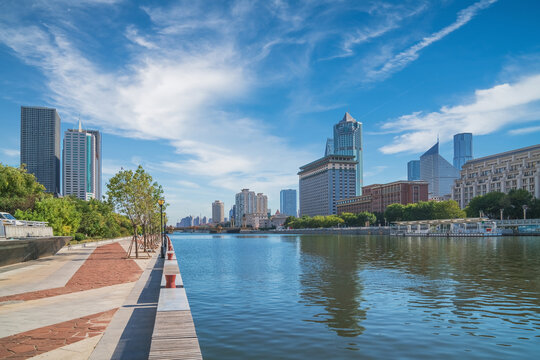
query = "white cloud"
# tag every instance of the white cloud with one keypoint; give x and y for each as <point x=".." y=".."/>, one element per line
<point x="11" y="152"/>
<point x="490" y="110"/>
<point x="402" y="59"/>
<point x="526" y="130"/>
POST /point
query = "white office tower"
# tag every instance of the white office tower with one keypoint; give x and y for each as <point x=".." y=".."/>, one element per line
<point x="218" y="212"/>
<point x="82" y="164"/>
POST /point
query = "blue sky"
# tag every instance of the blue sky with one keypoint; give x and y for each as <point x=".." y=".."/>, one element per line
<point x="212" y="97"/>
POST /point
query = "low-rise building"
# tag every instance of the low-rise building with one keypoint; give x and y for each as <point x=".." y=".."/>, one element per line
<point x="376" y="197"/>
<point x="515" y="169"/>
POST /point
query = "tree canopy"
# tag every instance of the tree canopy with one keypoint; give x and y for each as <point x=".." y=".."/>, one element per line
<point x="18" y="189"/>
<point x="424" y="210"/>
<point x="511" y="204"/>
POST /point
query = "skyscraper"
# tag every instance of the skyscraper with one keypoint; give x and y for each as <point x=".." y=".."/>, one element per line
<point x="245" y="204"/>
<point x="218" y="212"/>
<point x="413" y="170"/>
<point x="324" y="181"/>
<point x="261" y="201"/>
<point x="329" y="150"/>
<point x="287" y="202"/>
<point x="438" y="172"/>
<point x="463" y="149"/>
<point x="82" y="164"/>
<point x="348" y="141"/>
<point x="40" y="145"/>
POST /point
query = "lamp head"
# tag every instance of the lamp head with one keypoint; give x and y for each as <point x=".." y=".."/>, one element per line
<point x="161" y="202"/>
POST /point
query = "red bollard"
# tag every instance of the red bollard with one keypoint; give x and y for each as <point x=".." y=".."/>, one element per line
<point x="171" y="281"/>
<point x="169" y="255"/>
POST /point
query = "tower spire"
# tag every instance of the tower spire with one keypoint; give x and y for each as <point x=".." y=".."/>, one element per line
<point x="80" y="126"/>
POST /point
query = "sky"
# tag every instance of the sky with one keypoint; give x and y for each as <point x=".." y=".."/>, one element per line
<point x="215" y="96"/>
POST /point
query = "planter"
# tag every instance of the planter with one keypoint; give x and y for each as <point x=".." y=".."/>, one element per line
<point x="170" y="281"/>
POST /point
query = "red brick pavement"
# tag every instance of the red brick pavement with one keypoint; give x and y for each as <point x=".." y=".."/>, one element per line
<point x="34" y="342"/>
<point x="104" y="267"/>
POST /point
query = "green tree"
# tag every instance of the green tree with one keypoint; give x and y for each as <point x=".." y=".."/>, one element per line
<point x="447" y="210"/>
<point x="18" y="189"/>
<point x="60" y="213"/>
<point x="394" y="212"/>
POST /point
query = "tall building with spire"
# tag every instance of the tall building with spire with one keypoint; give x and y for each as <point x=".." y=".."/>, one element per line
<point x="437" y="172"/>
<point x="82" y="163"/>
<point x="40" y="145"/>
<point x="348" y="141"/>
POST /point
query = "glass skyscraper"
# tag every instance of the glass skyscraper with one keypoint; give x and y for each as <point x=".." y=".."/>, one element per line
<point x="287" y="202"/>
<point x="82" y="164"/>
<point x="40" y="145"/>
<point x="438" y="172"/>
<point x="413" y="170"/>
<point x="348" y="141"/>
<point x="463" y="150"/>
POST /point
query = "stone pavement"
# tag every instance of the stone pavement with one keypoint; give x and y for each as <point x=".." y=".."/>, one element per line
<point x="60" y="306"/>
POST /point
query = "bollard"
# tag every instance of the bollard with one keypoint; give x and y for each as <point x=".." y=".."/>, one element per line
<point x="170" y="255"/>
<point x="171" y="281"/>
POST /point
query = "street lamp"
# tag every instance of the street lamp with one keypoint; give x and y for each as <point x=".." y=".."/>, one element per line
<point x="525" y="207"/>
<point x="161" y="202"/>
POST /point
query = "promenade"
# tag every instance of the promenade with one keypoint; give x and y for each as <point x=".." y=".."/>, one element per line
<point x="84" y="302"/>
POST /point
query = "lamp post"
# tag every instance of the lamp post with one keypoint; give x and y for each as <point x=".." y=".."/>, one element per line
<point x="525" y="207"/>
<point x="161" y="202"/>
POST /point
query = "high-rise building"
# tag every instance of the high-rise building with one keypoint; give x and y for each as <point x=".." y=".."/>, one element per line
<point x="329" y="150"/>
<point x="437" y="172"/>
<point x="325" y="181"/>
<point x="40" y="145"/>
<point x="413" y="170"/>
<point x="261" y="201"/>
<point x="218" y="212"/>
<point x="81" y="164"/>
<point x="348" y="141"/>
<point x="287" y="202"/>
<point x="463" y="149"/>
<point x="245" y="204"/>
<point x="232" y="215"/>
<point x="515" y="169"/>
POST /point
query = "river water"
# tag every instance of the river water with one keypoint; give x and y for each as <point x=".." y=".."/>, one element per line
<point x="343" y="297"/>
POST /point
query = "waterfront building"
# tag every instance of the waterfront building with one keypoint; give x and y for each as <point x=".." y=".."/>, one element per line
<point x="463" y="149"/>
<point x="287" y="202"/>
<point x="413" y="170"/>
<point x="40" y="145"/>
<point x="81" y="164"/>
<point x="324" y="181"/>
<point x="261" y="202"/>
<point x="348" y="141"/>
<point x="204" y="221"/>
<point x="218" y="212"/>
<point x="515" y="169"/>
<point x="245" y="204"/>
<point x="376" y="197"/>
<point x="438" y="172"/>
<point x="275" y="221"/>
<point x="186" y="222"/>
<point x="232" y="215"/>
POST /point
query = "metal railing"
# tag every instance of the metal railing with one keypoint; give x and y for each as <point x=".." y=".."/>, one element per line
<point x="23" y="222"/>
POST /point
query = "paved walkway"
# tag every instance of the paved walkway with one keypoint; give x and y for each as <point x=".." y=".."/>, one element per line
<point x="59" y="307"/>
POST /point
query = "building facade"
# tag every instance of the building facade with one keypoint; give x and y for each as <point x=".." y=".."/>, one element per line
<point x="40" y="145"/>
<point x="245" y="204"/>
<point x="81" y="164"/>
<point x="218" y="212"/>
<point x="376" y="197"/>
<point x="261" y="202"/>
<point x="437" y="172"/>
<point x="516" y="169"/>
<point x="325" y="181"/>
<point x="463" y="149"/>
<point x="348" y="141"/>
<point x="287" y="202"/>
<point x="413" y="170"/>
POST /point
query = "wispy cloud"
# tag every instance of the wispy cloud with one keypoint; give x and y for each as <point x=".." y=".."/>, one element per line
<point x="10" y="152"/>
<point x="525" y="130"/>
<point x="409" y="55"/>
<point x="489" y="111"/>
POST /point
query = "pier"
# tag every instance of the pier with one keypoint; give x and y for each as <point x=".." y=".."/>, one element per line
<point x="91" y="302"/>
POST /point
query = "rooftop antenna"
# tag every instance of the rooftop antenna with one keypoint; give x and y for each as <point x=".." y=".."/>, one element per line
<point x="80" y="126"/>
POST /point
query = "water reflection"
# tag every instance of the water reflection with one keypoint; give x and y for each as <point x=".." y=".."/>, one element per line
<point x="329" y="279"/>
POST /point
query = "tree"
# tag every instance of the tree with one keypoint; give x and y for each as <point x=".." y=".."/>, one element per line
<point x="60" y="213"/>
<point x="394" y="212"/>
<point x="447" y="210"/>
<point x="490" y="204"/>
<point x="18" y="189"/>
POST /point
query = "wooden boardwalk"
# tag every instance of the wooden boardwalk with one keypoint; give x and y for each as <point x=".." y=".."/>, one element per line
<point x="174" y="335"/>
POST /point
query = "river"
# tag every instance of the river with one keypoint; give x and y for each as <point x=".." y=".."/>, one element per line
<point x="362" y="297"/>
